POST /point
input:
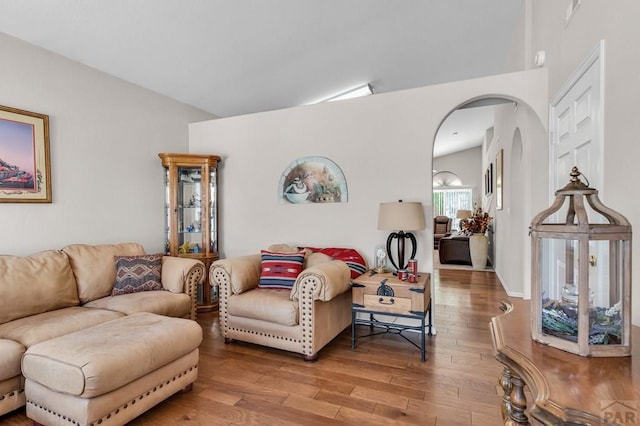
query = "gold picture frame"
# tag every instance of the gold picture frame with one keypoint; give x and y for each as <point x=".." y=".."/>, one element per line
<point x="499" y="180"/>
<point x="25" y="169"/>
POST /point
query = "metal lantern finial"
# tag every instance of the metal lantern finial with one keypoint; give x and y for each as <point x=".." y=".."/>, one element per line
<point x="581" y="274"/>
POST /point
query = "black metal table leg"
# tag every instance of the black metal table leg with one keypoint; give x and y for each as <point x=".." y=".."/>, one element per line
<point x="423" y="347"/>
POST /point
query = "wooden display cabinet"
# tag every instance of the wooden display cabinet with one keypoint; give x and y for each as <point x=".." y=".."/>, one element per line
<point x="191" y="217"/>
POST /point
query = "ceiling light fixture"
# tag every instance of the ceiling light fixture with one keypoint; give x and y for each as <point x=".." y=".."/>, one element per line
<point x="354" y="92"/>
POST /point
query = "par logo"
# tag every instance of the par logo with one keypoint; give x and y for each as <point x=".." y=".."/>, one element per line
<point x="620" y="412"/>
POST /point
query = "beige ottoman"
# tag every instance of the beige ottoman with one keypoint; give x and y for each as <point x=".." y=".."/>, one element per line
<point x="112" y="372"/>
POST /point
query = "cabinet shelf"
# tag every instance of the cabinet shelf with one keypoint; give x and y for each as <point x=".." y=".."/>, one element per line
<point x="191" y="201"/>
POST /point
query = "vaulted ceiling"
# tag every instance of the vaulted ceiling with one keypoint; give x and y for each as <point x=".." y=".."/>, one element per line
<point x="231" y="57"/>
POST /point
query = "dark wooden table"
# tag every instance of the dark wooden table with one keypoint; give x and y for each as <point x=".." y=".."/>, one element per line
<point x="566" y="389"/>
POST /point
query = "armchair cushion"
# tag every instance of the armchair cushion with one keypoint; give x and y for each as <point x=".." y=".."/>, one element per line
<point x="137" y="273"/>
<point x="280" y="270"/>
<point x="265" y="305"/>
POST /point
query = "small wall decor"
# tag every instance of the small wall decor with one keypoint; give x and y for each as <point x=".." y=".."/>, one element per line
<point x="25" y="172"/>
<point x="488" y="180"/>
<point x="499" y="179"/>
<point x="312" y="180"/>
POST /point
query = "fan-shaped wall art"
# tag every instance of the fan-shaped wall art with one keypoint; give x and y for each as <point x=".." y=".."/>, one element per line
<point x="312" y="180"/>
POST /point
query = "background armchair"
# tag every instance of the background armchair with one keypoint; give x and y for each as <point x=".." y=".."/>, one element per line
<point x="302" y="320"/>
<point x="441" y="228"/>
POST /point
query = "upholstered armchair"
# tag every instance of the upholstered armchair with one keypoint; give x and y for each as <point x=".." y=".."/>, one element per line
<point x="441" y="228"/>
<point x="302" y="320"/>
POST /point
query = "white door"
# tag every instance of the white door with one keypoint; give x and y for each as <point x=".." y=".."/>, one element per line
<point x="575" y="125"/>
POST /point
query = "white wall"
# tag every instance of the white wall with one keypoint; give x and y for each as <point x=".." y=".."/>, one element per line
<point x="383" y="143"/>
<point x="523" y="143"/>
<point x="105" y="134"/>
<point x="566" y="47"/>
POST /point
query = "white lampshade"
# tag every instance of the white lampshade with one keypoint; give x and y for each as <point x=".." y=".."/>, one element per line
<point x="401" y="216"/>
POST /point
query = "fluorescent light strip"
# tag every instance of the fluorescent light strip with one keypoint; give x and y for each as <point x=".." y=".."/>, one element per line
<point x="363" y="90"/>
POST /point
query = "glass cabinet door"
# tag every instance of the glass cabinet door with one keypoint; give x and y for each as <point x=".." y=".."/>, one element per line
<point x="189" y="210"/>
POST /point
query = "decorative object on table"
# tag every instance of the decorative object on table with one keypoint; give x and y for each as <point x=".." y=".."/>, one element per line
<point x="499" y="179"/>
<point x="581" y="274"/>
<point x="25" y="169"/>
<point x="312" y="180"/>
<point x="401" y="217"/>
<point x="191" y="214"/>
<point x="476" y="228"/>
<point x="380" y="257"/>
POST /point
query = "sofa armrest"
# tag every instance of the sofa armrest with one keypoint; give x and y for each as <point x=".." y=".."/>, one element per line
<point x="241" y="273"/>
<point x="324" y="281"/>
<point x="183" y="275"/>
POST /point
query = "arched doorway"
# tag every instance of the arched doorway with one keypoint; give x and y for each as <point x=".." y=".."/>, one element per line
<point x="516" y="135"/>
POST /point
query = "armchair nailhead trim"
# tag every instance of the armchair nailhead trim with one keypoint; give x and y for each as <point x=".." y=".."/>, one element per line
<point x="221" y="277"/>
<point x="271" y="336"/>
<point x="117" y="410"/>
<point x="308" y="286"/>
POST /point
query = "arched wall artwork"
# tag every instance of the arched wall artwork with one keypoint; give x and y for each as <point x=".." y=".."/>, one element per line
<point x="312" y="180"/>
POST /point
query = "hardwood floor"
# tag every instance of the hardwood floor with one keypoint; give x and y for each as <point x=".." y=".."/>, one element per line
<point x="381" y="382"/>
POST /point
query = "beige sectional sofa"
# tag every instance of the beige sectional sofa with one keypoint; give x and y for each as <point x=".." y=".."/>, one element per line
<point x="57" y="292"/>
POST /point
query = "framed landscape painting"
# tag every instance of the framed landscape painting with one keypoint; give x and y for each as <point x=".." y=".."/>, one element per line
<point x="25" y="170"/>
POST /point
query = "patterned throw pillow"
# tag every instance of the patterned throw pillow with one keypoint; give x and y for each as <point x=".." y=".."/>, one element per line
<point x="137" y="273"/>
<point x="280" y="270"/>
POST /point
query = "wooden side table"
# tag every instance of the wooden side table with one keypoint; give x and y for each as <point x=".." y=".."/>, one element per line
<point x="385" y="294"/>
<point x="566" y="389"/>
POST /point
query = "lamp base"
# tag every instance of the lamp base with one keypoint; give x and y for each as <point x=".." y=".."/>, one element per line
<point x="400" y="236"/>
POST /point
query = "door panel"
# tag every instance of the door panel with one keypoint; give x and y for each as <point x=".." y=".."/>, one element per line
<point x="575" y="129"/>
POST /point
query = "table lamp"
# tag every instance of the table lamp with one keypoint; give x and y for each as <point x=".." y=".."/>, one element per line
<point x="401" y="217"/>
<point x="463" y="215"/>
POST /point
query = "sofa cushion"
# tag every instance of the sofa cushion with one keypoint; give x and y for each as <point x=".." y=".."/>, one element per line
<point x="266" y="305"/>
<point x="38" y="283"/>
<point x="137" y="273"/>
<point x="38" y="328"/>
<point x="95" y="268"/>
<point x="10" y="360"/>
<point x="157" y="302"/>
<point x="280" y="270"/>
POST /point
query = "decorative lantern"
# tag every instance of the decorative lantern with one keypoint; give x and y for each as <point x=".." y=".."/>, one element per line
<point x="581" y="274"/>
